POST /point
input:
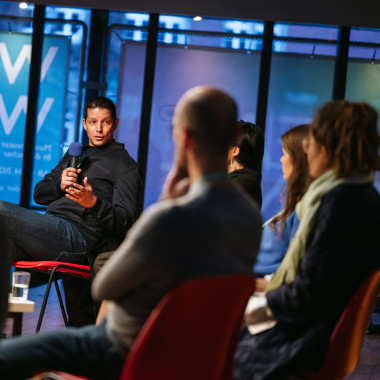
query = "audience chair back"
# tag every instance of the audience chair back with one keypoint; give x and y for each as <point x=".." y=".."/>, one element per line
<point x="347" y="338"/>
<point x="193" y="331"/>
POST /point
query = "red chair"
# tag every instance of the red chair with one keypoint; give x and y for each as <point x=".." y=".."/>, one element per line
<point x="347" y="338"/>
<point x="52" y="268"/>
<point x="192" y="333"/>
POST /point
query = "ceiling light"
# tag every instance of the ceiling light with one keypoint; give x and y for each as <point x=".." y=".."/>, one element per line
<point x="23" y="5"/>
<point x="197" y="18"/>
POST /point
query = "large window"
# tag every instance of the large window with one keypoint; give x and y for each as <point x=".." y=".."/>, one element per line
<point x="63" y="55"/>
<point x="206" y="56"/>
<point x="15" y="24"/>
<point x="124" y="73"/>
<point x="363" y="72"/>
<point x="226" y="54"/>
<point x="301" y="80"/>
<point x="222" y="53"/>
<point x="73" y="24"/>
<point x="191" y="51"/>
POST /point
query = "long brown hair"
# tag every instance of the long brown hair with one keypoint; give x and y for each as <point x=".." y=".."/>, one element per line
<point x="299" y="180"/>
<point x="348" y="131"/>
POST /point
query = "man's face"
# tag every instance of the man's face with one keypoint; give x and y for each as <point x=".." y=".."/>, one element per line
<point x="99" y="126"/>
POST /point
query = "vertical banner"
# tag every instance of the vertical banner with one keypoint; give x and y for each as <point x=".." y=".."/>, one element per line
<point x="15" y="56"/>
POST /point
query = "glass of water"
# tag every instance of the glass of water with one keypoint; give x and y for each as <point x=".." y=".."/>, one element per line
<point x="20" y="285"/>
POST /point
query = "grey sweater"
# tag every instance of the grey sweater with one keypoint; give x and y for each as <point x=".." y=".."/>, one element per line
<point x="213" y="230"/>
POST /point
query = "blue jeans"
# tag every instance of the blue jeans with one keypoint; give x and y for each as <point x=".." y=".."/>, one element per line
<point x="85" y="351"/>
<point x="35" y="236"/>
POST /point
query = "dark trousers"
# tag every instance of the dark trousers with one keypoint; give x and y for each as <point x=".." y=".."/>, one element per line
<point x="80" y="306"/>
<point x="275" y="354"/>
<point x="85" y="351"/>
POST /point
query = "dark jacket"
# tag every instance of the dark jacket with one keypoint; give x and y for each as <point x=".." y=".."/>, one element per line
<point x="250" y="181"/>
<point x="116" y="182"/>
<point x="342" y="250"/>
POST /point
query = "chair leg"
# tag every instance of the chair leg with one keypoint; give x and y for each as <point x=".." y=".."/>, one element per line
<point x="64" y="315"/>
<point x="52" y="278"/>
<point x="44" y="302"/>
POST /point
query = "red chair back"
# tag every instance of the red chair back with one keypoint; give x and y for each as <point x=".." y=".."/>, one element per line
<point x="193" y="331"/>
<point x="347" y="338"/>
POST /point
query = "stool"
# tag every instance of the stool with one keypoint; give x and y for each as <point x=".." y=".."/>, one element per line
<point x="51" y="268"/>
<point x="16" y="310"/>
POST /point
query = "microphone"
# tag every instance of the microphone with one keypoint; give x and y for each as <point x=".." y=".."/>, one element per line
<point x="75" y="150"/>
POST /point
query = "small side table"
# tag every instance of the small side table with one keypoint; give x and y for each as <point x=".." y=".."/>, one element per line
<point x="16" y="310"/>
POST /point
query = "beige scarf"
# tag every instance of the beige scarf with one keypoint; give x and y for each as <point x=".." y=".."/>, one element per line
<point x="306" y="210"/>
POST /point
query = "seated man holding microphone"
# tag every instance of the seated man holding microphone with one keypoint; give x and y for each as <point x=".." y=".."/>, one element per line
<point x="90" y="207"/>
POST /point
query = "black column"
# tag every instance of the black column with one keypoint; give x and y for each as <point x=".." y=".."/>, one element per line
<point x="340" y="74"/>
<point x="150" y="62"/>
<point x="31" y="115"/>
<point x="266" y="57"/>
<point x="95" y="55"/>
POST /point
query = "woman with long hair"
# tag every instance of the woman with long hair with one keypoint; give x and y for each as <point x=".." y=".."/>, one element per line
<point x="280" y="229"/>
<point x="335" y="248"/>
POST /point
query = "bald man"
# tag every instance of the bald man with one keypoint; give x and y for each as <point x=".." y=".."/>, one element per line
<point x="204" y="226"/>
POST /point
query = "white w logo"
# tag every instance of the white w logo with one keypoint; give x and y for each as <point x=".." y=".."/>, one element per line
<point x="12" y="71"/>
<point x="10" y="121"/>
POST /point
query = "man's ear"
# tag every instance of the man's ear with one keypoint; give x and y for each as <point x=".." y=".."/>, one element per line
<point x="84" y="124"/>
<point x="115" y="124"/>
<point x="186" y="138"/>
<point x="235" y="151"/>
